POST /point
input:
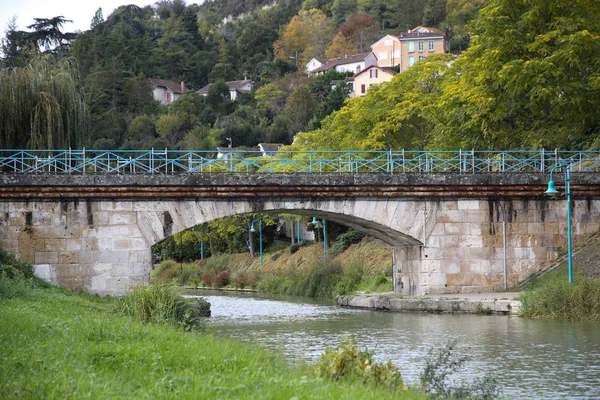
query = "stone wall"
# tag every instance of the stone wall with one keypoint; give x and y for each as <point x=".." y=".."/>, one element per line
<point x="440" y="246"/>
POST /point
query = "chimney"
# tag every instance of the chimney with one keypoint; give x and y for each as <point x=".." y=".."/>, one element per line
<point x="345" y="55"/>
<point x="182" y="87"/>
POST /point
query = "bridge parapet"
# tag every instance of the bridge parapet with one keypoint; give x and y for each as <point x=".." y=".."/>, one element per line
<point x="283" y="162"/>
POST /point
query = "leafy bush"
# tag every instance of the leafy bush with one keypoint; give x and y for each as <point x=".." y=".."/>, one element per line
<point x="579" y="301"/>
<point x="11" y="288"/>
<point x="159" y="303"/>
<point x="167" y="271"/>
<point x="348" y="362"/>
<point x="13" y="268"/>
<point x="343" y="241"/>
<point x="245" y="279"/>
<point x="188" y="272"/>
<point x="441" y="364"/>
<point x="221" y="279"/>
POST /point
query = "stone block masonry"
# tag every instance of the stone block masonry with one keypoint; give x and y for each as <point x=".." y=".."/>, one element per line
<point x="450" y="235"/>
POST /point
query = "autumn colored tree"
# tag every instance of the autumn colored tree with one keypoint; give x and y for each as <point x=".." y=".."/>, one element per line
<point x="341" y="46"/>
<point x="308" y="34"/>
<point x="361" y="29"/>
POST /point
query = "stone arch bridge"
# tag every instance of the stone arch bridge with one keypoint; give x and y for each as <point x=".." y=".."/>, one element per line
<point x="450" y="233"/>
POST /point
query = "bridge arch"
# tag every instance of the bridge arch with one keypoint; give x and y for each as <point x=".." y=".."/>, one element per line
<point x="366" y="216"/>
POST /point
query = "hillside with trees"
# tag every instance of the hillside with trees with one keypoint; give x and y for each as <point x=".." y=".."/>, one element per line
<point x="107" y="98"/>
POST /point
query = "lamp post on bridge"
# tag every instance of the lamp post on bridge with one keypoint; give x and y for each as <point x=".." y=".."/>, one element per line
<point x="252" y="230"/>
<point x="565" y="166"/>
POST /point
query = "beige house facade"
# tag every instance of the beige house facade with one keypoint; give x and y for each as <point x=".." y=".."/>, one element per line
<point x="409" y="47"/>
<point x="370" y="76"/>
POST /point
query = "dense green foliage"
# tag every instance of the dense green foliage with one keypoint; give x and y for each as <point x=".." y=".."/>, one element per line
<point x="43" y="105"/>
<point x="351" y="363"/>
<point x="530" y="79"/>
<point x="553" y="297"/>
<point x="58" y="344"/>
<point x="212" y="43"/>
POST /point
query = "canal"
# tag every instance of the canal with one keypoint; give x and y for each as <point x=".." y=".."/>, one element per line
<point x="530" y="358"/>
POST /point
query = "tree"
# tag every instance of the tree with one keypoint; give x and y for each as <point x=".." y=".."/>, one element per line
<point x="529" y="80"/>
<point x="142" y="130"/>
<point x="47" y="33"/>
<point x="43" y="105"/>
<point x="308" y="34"/>
<point x="398" y="114"/>
<point x="341" y="46"/>
<point x="341" y="9"/>
<point x="97" y="19"/>
<point x="361" y="29"/>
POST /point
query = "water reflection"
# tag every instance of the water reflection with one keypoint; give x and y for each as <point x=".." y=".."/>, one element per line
<point x="530" y="358"/>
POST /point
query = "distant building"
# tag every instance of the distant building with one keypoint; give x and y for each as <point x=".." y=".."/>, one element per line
<point x="370" y="76"/>
<point x="353" y="63"/>
<point x="409" y="47"/>
<point x="268" y="149"/>
<point x="167" y="91"/>
<point x="314" y="64"/>
<point x="235" y="88"/>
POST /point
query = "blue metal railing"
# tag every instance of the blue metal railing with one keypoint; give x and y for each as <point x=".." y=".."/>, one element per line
<point x="166" y="161"/>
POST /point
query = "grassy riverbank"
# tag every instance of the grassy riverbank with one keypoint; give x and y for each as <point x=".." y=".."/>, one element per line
<point x="58" y="344"/>
<point x="551" y="296"/>
<point x="297" y="270"/>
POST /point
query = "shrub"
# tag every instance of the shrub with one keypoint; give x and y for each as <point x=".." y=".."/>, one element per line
<point x="348" y="362"/>
<point x="443" y="363"/>
<point x="343" y="241"/>
<point x="579" y="301"/>
<point x="13" y="268"/>
<point x="240" y="280"/>
<point x="221" y="279"/>
<point x="159" y="303"/>
<point x="207" y="278"/>
<point x="188" y="272"/>
<point x="167" y="271"/>
<point x="11" y="287"/>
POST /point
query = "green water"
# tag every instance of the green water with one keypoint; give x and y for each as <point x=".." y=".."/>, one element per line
<point x="530" y="358"/>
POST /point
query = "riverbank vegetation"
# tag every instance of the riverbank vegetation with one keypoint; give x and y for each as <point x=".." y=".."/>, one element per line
<point x="60" y="344"/>
<point x="297" y="270"/>
<point x="553" y="297"/>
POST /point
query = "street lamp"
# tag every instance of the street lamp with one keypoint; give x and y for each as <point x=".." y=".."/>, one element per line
<point x="565" y="166"/>
<point x="252" y="230"/>
<point x="201" y="245"/>
<point x="315" y="222"/>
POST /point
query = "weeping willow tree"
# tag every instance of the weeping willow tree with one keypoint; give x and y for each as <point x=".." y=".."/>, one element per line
<point x="42" y="105"/>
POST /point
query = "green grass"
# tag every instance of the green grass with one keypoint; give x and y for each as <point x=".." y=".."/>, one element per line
<point x="551" y="296"/>
<point x="58" y="344"/>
